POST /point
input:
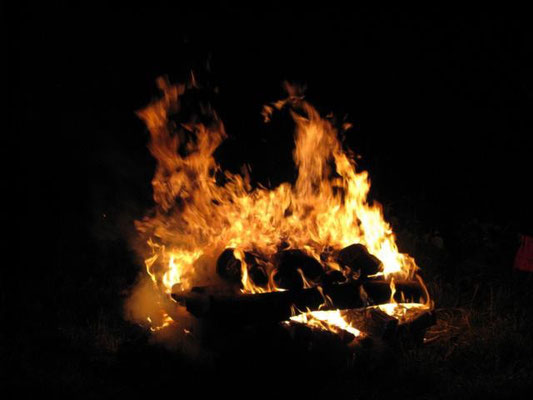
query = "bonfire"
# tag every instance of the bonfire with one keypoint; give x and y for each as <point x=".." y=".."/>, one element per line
<point x="305" y="252"/>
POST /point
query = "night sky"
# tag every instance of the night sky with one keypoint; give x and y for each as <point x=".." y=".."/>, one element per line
<point x="440" y="100"/>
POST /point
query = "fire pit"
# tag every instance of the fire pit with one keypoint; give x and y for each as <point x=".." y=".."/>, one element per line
<point x="314" y="253"/>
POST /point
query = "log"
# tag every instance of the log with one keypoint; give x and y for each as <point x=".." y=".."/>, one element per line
<point x="413" y="331"/>
<point x="288" y="262"/>
<point x="213" y="303"/>
<point x="357" y="257"/>
<point x="258" y="274"/>
<point x="229" y="268"/>
<point x="334" y="277"/>
<point x="380" y="324"/>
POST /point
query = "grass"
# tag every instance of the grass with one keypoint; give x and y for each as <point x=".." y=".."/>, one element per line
<point x="74" y="340"/>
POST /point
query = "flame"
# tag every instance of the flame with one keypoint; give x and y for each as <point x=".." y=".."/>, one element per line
<point x="166" y="321"/>
<point x="327" y="320"/>
<point x="401" y="310"/>
<point x="331" y="320"/>
<point x="202" y="210"/>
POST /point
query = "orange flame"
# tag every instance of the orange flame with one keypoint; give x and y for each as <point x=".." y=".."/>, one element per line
<point x="331" y="320"/>
<point x="202" y="210"/>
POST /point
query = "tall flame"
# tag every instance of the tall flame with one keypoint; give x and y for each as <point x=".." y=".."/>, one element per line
<point x="202" y="210"/>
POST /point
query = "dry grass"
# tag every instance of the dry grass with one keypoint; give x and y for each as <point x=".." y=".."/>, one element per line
<point x="79" y="344"/>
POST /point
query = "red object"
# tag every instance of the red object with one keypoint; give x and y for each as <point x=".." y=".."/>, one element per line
<point x="524" y="256"/>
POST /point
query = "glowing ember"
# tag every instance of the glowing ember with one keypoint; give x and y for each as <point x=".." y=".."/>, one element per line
<point x="400" y="311"/>
<point x="326" y="320"/>
<point x="202" y="210"/>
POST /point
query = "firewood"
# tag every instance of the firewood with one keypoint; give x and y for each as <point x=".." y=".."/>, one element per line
<point x="212" y="303"/>
<point x="258" y="274"/>
<point x="288" y="262"/>
<point x="413" y="331"/>
<point x="334" y="277"/>
<point x="357" y="257"/>
<point x="380" y="324"/>
<point x="229" y="268"/>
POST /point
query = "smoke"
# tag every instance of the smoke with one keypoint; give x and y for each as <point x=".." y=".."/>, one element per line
<point x="184" y="334"/>
<point x="143" y="304"/>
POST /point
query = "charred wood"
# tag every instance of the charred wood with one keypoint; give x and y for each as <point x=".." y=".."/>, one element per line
<point x="357" y="257"/>
<point x="229" y="268"/>
<point x="380" y="324"/>
<point x="211" y="303"/>
<point x="413" y="331"/>
<point x="334" y="277"/>
<point x="289" y="263"/>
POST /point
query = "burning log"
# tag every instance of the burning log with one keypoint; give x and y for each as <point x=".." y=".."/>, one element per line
<point x="334" y="277"/>
<point x="357" y="257"/>
<point x="289" y="262"/>
<point x="406" y="331"/>
<point x="413" y="331"/>
<point x="380" y="324"/>
<point x="293" y="266"/>
<point x="213" y="303"/>
<point x="258" y="275"/>
<point x="229" y="268"/>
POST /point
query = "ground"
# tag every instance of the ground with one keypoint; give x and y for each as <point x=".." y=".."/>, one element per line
<point x="73" y="339"/>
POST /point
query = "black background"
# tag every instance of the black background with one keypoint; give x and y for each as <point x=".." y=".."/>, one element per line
<point x="440" y="99"/>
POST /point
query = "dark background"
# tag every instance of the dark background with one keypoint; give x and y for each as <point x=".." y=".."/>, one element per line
<point x="440" y="99"/>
